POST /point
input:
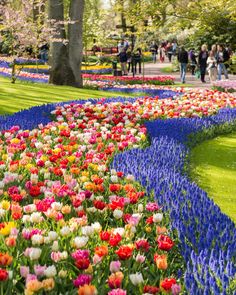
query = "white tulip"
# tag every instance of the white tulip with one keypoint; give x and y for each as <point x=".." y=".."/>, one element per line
<point x="2" y="212"/>
<point x="50" y="271"/>
<point x="80" y="242"/>
<point x="118" y="213"/>
<point x="37" y="239"/>
<point x="96" y="226"/>
<point x="65" y="231"/>
<point x="55" y="246"/>
<point x="35" y="253"/>
<point x="157" y="217"/>
<point x="62" y="273"/>
<point x="25" y="218"/>
<point x="87" y="230"/>
<point x="140" y="208"/>
<point x="120" y="231"/>
<point x="114" y="178"/>
<point x="36" y="217"/>
<point x="52" y="235"/>
<point x="136" y="278"/>
<point x="56" y="206"/>
<point x="130" y="177"/>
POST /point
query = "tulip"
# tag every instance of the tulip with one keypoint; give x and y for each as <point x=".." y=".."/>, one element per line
<point x="87" y="290"/>
<point x="50" y="271"/>
<point x="161" y="261"/>
<point x="136" y="279"/>
<point x="140" y="258"/>
<point x="115" y="280"/>
<point x="117" y="213"/>
<point x="115" y="266"/>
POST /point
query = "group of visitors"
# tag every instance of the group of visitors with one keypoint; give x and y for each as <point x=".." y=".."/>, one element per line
<point x="129" y="59"/>
<point x="166" y="48"/>
<point x="214" y="62"/>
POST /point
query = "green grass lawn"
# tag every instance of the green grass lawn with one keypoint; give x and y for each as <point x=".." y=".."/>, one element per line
<point x="167" y="70"/>
<point x="22" y="95"/>
<point x="213" y="167"/>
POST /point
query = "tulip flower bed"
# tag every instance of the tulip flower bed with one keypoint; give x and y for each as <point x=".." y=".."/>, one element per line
<point x="225" y="85"/>
<point x="71" y="223"/>
<point x="158" y="80"/>
<point x="40" y="73"/>
<point x="24" y="76"/>
<point x="44" y="69"/>
<point x="21" y="60"/>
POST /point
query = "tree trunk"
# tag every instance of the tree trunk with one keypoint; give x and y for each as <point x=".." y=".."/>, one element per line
<point x="123" y="18"/>
<point x="75" y="33"/>
<point x="60" y="72"/>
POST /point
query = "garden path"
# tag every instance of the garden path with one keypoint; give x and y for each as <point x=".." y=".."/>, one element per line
<point x="151" y="70"/>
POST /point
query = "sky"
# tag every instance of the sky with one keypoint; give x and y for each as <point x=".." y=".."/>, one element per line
<point x="106" y="3"/>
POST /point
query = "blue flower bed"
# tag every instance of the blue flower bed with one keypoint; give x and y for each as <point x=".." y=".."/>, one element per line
<point x="23" y="61"/>
<point x="208" y="237"/>
<point x="36" y="71"/>
<point x="97" y="72"/>
<point x="150" y="92"/>
<point x="4" y="64"/>
<point x="29" y="61"/>
<point x="27" y="79"/>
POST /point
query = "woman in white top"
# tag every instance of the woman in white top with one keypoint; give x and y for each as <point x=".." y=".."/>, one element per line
<point x="212" y="66"/>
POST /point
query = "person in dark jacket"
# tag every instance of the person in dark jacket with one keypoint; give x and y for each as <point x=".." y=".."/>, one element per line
<point x="202" y="61"/>
<point x="183" y="60"/>
<point x="137" y="56"/>
<point x="153" y="50"/>
<point x="123" y="61"/>
<point x="222" y="56"/>
<point x="193" y="61"/>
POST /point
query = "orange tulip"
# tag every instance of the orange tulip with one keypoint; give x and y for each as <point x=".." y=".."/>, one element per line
<point x="10" y="241"/>
<point x="101" y="251"/>
<point x="5" y="259"/>
<point x="87" y="290"/>
<point x="161" y="230"/>
<point x="161" y="261"/>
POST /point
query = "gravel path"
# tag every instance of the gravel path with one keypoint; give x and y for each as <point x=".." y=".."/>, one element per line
<point x="151" y="70"/>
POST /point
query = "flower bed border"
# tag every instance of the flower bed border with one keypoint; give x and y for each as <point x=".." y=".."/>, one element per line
<point x="206" y="265"/>
<point x="210" y="253"/>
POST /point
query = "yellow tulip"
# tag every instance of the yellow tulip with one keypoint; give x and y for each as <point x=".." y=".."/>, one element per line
<point x="5" y="205"/>
<point x="7" y="229"/>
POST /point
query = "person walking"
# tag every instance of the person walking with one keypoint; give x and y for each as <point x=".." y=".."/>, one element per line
<point x="212" y="66"/>
<point x="162" y="53"/>
<point x="214" y="49"/>
<point x="183" y="60"/>
<point x="153" y="50"/>
<point x="222" y="56"/>
<point x="123" y="61"/>
<point x="193" y="61"/>
<point x="202" y="61"/>
<point x="122" y="45"/>
<point x="129" y="61"/>
<point x="174" y="47"/>
<point x="137" y="56"/>
<point x="169" y="51"/>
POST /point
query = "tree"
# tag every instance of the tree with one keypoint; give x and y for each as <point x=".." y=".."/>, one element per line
<point x="22" y="29"/>
<point x="66" y="46"/>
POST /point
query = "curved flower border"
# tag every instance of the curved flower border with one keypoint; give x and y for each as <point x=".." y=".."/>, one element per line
<point x="210" y="253"/>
